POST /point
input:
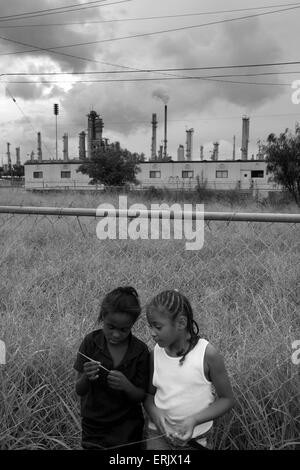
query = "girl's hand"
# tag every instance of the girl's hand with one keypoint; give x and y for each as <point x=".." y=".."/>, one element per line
<point x="182" y="431"/>
<point x="118" y="381"/>
<point x="160" y="421"/>
<point x="91" y="370"/>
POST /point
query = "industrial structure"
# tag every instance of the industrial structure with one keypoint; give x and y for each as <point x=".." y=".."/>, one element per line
<point x="245" y="138"/>
<point x="66" y="147"/>
<point x="201" y="152"/>
<point x="39" y="147"/>
<point x="82" y="150"/>
<point x="215" y="152"/>
<point x="95" y="130"/>
<point x="180" y="153"/>
<point x="189" y="144"/>
<point x="165" y="134"/>
<point x="218" y="175"/>
<point x="159" y="171"/>
<point x="153" y="142"/>
<point x="18" y="160"/>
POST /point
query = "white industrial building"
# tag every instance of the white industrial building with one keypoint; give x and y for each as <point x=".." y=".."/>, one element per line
<point x="217" y="175"/>
<point x="160" y="171"/>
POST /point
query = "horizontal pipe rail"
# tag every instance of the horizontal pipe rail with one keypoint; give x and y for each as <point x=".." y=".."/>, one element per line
<point x="161" y="214"/>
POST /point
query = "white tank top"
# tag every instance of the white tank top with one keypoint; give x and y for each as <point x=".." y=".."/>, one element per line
<point x="182" y="390"/>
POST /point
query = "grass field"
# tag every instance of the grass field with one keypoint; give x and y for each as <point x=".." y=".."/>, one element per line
<point x="243" y="285"/>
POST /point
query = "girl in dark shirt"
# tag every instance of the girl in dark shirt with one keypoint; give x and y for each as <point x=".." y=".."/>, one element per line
<point x="112" y="384"/>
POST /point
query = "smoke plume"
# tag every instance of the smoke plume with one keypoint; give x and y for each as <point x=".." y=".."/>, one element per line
<point x="161" y="95"/>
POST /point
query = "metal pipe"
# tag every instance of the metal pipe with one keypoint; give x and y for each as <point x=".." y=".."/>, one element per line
<point x="233" y="150"/>
<point x="66" y="147"/>
<point x="165" y="139"/>
<point x="245" y="138"/>
<point x="132" y="213"/>
<point x="153" y="143"/>
<point x="39" y="147"/>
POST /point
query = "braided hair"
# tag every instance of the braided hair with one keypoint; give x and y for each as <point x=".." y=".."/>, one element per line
<point x="177" y="304"/>
<point x="122" y="300"/>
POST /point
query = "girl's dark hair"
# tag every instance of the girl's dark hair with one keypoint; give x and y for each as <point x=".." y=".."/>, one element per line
<point x="121" y="300"/>
<point x="177" y="304"/>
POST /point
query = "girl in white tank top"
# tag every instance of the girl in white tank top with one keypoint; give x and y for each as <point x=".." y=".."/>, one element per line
<point x="185" y="370"/>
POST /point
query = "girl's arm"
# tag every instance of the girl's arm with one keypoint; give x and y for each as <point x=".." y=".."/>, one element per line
<point x="90" y="373"/>
<point x="154" y="413"/>
<point x="82" y="384"/>
<point x="220" y="380"/>
<point x="149" y="400"/>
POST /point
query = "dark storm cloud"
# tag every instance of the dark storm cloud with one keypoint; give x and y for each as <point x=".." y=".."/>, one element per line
<point x="50" y="36"/>
<point x="122" y="108"/>
<point x="26" y="92"/>
<point x="233" y="43"/>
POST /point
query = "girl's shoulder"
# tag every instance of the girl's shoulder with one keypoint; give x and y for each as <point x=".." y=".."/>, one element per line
<point x="212" y="357"/>
<point x="210" y="350"/>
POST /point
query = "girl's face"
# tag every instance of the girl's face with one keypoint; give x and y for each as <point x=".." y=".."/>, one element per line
<point x="117" y="327"/>
<point x="163" y="329"/>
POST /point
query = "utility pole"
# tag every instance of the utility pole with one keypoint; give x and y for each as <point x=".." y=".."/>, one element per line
<point x="56" y="111"/>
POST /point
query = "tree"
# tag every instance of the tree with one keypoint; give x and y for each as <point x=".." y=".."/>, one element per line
<point x="283" y="158"/>
<point x="112" y="166"/>
<point x="18" y="171"/>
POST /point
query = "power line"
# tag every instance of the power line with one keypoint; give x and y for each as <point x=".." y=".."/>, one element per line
<point x="118" y="80"/>
<point x="182" y="15"/>
<point x="210" y="118"/>
<point x="150" y="70"/>
<point x="154" y="33"/>
<point x="54" y="11"/>
<point x="52" y="50"/>
<point x="26" y="117"/>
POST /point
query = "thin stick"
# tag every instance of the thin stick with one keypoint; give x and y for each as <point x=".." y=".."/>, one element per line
<point x="93" y="360"/>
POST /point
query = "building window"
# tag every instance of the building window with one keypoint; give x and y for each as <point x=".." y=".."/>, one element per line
<point x="65" y="174"/>
<point x="38" y="174"/>
<point x="221" y="173"/>
<point x="187" y="174"/>
<point x="257" y="173"/>
<point x="154" y="174"/>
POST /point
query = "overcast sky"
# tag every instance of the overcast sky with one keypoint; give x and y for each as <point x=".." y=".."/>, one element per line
<point x="213" y="108"/>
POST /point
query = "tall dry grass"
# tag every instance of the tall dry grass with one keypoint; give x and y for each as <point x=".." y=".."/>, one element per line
<point x="243" y="285"/>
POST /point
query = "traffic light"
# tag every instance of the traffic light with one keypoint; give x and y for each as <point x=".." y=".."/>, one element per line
<point x="56" y="109"/>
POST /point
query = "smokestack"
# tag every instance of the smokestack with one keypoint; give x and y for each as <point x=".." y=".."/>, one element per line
<point x="98" y="128"/>
<point x="82" y="153"/>
<point x="160" y="152"/>
<point x="153" y="143"/>
<point x="39" y="147"/>
<point x="215" y="155"/>
<point x="8" y="156"/>
<point x="18" y="162"/>
<point x="189" y="144"/>
<point x="91" y="131"/>
<point x="180" y="153"/>
<point x="165" y="140"/>
<point x="201" y="152"/>
<point x="233" y="150"/>
<point x="66" y="147"/>
<point x="245" y="138"/>
<point x="95" y="128"/>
